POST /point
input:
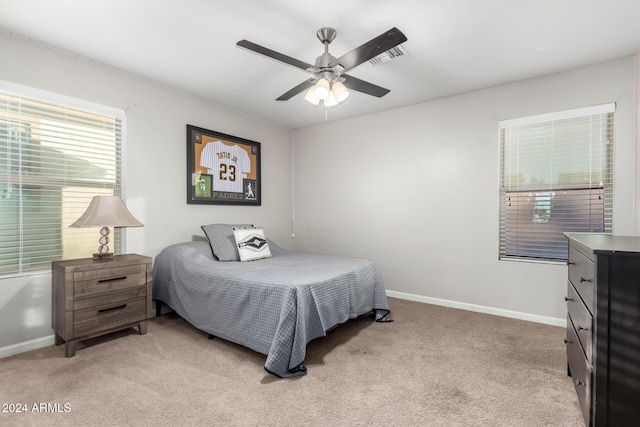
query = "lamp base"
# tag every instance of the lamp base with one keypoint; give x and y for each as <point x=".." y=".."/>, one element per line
<point x="103" y="257"/>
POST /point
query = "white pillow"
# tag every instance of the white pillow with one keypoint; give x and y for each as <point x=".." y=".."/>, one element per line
<point x="251" y="244"/>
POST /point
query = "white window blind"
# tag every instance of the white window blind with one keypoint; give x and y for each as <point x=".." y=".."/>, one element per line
<point x="56" y="153"/>
<point x="556" y="176"/>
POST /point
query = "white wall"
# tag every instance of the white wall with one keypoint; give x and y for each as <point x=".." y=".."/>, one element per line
<point x="155" y="170"/>
<point x="416" y="189"/>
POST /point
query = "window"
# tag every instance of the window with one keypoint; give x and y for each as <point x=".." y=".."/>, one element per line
<point x="56" y="153"/>
<point x="556" y="176"/>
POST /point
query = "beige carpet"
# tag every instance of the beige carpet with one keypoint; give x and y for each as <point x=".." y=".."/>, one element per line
<point x="433" y="366"/>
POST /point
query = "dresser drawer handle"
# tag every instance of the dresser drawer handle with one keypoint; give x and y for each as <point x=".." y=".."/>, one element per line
<point x="580" y="383"/>
<point x="568" y="299"/>
<point x="566" y="341"/>
<point x="582" y="279"/>
<point x="112" y="279"/>
<point x="581" y="328"/>
<point x="118" y="307"/>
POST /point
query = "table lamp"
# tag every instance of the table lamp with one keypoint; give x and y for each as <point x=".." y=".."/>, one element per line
<point x="105" y="212"/>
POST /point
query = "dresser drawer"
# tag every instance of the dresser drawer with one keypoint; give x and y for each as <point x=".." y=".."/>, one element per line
<point x="111" y="314"/>
<point x="581" y="319"/>
<point x="108" y="279"/>
<point x="580" y="372"/>
<point x="581" y="274"/>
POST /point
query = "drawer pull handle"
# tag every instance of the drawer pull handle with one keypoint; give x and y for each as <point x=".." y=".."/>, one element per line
<point x="112" y="279"/>
<point x="568" y="299"/>
<point x="580" y="328"/>
<point x="570" y="263"/>
<point x="566" y="341"/>
<point x="118" y="307"/>
<point x="582" y="279"/>
<point x="580" y="383"/>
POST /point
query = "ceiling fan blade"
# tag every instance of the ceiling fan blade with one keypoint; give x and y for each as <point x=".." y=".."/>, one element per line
<point x="296" y="90"/>
<point x="370" y="49"/>
<point x="273" y="54"/>
<point x="353" y="83"/>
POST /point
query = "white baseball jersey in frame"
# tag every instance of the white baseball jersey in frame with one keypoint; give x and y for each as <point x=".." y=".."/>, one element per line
<point x="228" y="164"/>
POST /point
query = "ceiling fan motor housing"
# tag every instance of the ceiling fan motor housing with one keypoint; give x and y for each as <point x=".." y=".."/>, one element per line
<point x="324" y="60"/>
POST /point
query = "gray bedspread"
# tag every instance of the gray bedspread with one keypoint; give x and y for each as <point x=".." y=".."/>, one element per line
<point x="274" y="306"/>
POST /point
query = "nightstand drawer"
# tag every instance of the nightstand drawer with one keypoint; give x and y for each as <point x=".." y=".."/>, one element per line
<point x="112" y="314"/>
<point x="581" y="274"/>
<point x="111" y="298"/>
<point x="108" y="279"/>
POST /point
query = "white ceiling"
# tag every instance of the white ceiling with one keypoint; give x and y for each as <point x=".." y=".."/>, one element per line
<point x="454" y="46"/>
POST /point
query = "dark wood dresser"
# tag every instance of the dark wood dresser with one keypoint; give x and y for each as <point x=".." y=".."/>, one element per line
<point x="603" y="327"/>
<point x="92" y="298"/>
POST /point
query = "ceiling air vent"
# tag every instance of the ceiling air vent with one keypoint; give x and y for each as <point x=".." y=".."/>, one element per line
<point x="388" y="55"/>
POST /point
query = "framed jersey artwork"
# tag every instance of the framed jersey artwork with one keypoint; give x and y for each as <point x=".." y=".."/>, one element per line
<point x="222" y="169"/>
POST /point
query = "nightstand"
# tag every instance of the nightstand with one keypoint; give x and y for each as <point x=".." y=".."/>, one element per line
<point x="92" y="298"/>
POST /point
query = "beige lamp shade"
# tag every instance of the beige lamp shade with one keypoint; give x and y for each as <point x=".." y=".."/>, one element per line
<point x="106" y="211"/>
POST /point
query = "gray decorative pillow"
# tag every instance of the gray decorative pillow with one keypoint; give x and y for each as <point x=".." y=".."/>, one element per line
<point x="222" y="240"/>
<point x="251" y="243"/>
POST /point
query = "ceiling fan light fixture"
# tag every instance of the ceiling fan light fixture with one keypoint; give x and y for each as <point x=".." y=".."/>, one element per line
<point x="322" y="88"/>
<point x="339" y="91"/>
<point x="330" y="101"/>
<point x="311" y="96"/>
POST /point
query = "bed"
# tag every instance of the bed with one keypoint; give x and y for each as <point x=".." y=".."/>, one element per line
<point x="274" y="305"/>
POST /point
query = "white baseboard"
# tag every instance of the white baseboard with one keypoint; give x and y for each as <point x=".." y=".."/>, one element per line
<point x="10" y="350"/>
<point x="21" y="347"/>
<point x="481" y="309"/>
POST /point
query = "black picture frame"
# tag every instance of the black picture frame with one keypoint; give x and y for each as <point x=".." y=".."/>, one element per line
<point x="222" y="169"/>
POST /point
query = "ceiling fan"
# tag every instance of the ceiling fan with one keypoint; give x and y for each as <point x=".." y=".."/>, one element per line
<point x="329" y="82"/>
